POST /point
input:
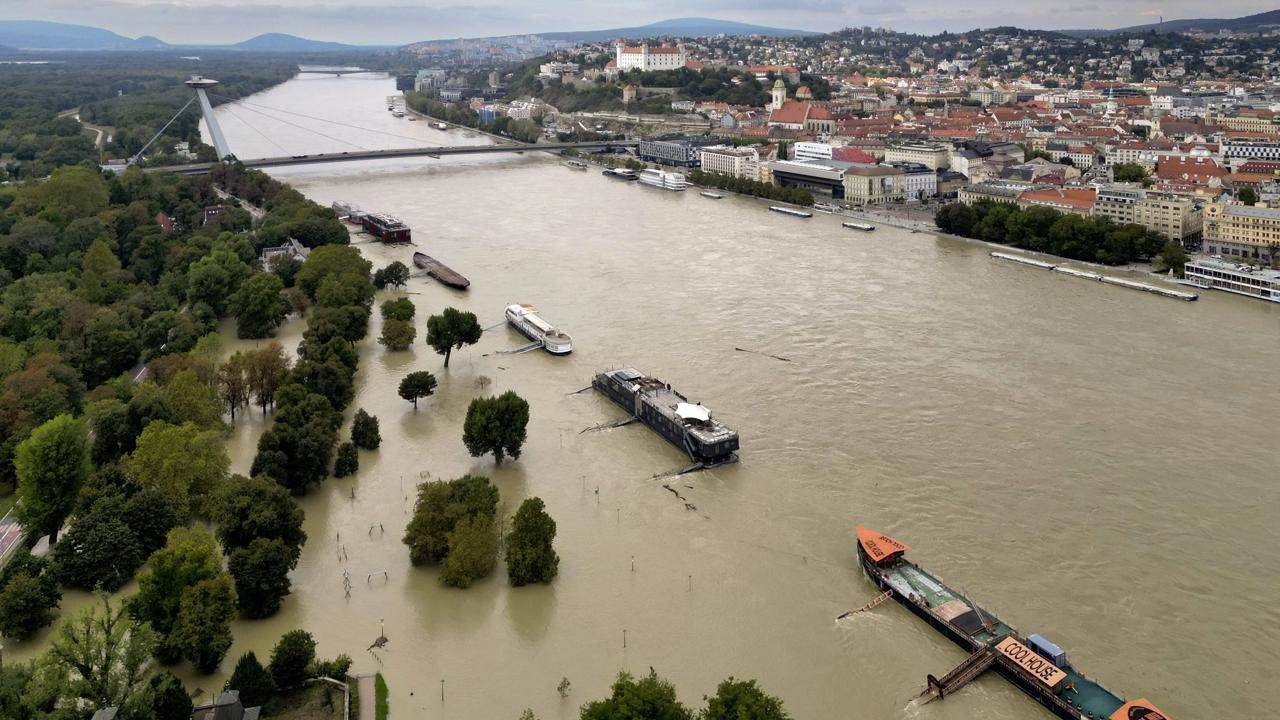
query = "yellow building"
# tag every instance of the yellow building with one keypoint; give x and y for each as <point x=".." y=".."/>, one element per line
<point x="1236" y="230"/>
<point x="874" y="185"/>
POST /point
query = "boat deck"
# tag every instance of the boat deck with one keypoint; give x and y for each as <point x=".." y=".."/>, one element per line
<point x="1083" y="693"/>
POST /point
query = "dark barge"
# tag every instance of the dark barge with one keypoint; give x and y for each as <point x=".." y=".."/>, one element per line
<point x="1038" y="667"/>
<point x="441" y="272"/>
<point x="686" y="425"/>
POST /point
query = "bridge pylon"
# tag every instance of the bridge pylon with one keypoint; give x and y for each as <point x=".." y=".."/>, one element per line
<point x="200" y="85"/>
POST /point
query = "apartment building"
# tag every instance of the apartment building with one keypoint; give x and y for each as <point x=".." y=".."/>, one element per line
<point x="931" y="155"/>
<point x="740" y="162"/>
<point x="1237" y="230"/>
<point x="874" y="185"/>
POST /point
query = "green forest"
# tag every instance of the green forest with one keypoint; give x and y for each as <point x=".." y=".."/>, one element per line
<point x="1092" y="239"/>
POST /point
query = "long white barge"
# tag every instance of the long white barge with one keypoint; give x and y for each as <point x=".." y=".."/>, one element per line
<point x="1088" y="275"/>
<point x="864" y="227"/>
<point x="528" y="322"/>
<point x="789" y="211"/>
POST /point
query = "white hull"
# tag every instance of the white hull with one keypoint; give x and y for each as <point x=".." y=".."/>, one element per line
<point x="525" y="319"/>
<point x="665" y="180"/>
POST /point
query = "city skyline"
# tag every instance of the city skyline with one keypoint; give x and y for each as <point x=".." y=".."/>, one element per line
<point x="381" y="23"/>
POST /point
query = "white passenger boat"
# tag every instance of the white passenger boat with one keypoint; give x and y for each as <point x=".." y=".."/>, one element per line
<point x="665" y="180"/>
<point x="864" y="227"/>
<point x="526" y="319"/>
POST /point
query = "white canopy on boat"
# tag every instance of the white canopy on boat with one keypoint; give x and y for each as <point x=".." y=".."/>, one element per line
<point x="689" y="411"/>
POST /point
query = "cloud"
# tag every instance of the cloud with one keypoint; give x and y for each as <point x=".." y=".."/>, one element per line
<point x="879" y="8"/>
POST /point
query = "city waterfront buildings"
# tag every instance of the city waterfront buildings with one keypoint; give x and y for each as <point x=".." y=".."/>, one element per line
<point x="1233" y="229"/>
<point x="740" y="162"/>
<point x="874" y="185"/>
<point x="931" y="155"/>
<point x="678" y="150"/>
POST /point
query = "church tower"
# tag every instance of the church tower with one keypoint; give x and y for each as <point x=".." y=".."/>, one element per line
<point x="779" y="95"/>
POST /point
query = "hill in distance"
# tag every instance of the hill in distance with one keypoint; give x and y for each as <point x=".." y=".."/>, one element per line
<point x="1260" y="22"/>
<point x="677" y="27"/>
<point x="41" y="35"/>
<point x="280" y="42"/>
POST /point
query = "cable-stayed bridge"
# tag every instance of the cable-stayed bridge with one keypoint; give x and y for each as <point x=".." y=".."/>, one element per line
<point x="357" y="152"/>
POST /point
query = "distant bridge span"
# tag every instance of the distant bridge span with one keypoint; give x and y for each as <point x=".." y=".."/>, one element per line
<point x="260" y="163"/>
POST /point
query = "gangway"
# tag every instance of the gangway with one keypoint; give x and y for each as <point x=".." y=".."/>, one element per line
<point x="963" y="674"/>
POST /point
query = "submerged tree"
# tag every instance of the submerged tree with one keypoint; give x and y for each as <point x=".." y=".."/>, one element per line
<point x="450" y="330"/>
<point x="364" y="431"/>
<point x="417" y="385"/>
<point x="51" y="466"/>
<point x="496" y="425"/>
<point x="530" y="555"/>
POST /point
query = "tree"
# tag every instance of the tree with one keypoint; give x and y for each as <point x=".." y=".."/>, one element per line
<point x="261" y="572"/>
<point x="193" y="401"/>
<point x="259" y="306"/>
<point x="233" y="383"/>
<point x="742" y="700"/>
<point x="530" y="555"/>
<point x="52" y="464"/>
<point x="473" y="552"/>
<point x="340" y="261"/>
<point x="364" y="431"/>
<point x="189" y="558"/>
<point x="450" y="330"/>
<point x="651" y="698"/>
<point x="439" y="508"/>
<point x="1128" y="172"/>
<point x="100" y="276"/>
<point x="100" y="551"/>
<point x="347" y="461"/>
<point x="397" y="334"/>
<point x="417" y="385"/>
<point x="290" y="658"/>
<point x="100" y="658"/>
<point x="214" y="278"/>
<point x="1174" y="256"/>
<point x="398" y="309"/>
<point x="202" y="630"/>
<point x="395" y="274"/>
<point x="252" y="680"/>
<point x="109" y="423"/>
<point x="251" y="508"/>
<point x="28" y="594"/>
<point x="181" y="461"/>
<point x="496" y="425"/>
<point x="1247" y="195"/>
<point x="265" y="371"/>
<point x="169" y="700"/>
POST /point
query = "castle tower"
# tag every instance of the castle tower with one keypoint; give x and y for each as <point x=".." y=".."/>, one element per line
<point x="779" y="95"/>
<point x="200" y="85"/>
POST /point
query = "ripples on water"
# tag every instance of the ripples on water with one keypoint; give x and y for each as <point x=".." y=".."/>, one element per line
<point x="1092" y="463"/>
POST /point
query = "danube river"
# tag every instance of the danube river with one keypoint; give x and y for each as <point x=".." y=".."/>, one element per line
<point x="1094" y="464"/>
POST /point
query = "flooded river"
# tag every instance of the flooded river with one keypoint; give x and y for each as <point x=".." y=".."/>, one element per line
<point x="1093" y="463"/>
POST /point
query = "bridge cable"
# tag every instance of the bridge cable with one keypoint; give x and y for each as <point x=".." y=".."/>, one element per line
<point x="307" y="129"/>
<point x="256" y="130"/>
<point x="334" y="122"/>
<point x="138" y="156"/>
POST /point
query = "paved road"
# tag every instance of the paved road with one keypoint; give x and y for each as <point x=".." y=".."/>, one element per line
<point x="10" y="533"/>
<point x="365" y="685"/>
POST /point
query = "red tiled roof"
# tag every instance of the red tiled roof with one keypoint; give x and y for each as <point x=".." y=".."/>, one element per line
<point x="792" y="112"/>
<point x="1080" y="199"/>
<point x="1188" y="169"/>
<point x="850" y="154"/>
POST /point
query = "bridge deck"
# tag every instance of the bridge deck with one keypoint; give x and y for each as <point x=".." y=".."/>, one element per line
<point x="258" y="163"/>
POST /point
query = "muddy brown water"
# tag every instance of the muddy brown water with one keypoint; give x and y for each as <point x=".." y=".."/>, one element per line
<point x="1092" y="463"/>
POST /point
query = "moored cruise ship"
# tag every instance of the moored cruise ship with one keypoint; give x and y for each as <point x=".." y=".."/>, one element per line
<point x="1241" y="279"/>
<point x="664" y="180"/>
<point x="686" y="425"/>
<point x="526" y="319"/>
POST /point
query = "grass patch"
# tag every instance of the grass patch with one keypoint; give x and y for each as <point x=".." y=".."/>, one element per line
<point x="317" y="701"/>
<point x="381" y="705"/>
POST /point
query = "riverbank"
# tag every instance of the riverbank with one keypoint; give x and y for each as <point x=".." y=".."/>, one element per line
<point x="500" y="138"/>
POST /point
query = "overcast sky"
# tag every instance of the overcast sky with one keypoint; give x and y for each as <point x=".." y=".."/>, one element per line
<point x="400" y="21"/>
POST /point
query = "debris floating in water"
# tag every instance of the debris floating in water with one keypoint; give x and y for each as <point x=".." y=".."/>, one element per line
<point x="757" y="352"/>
